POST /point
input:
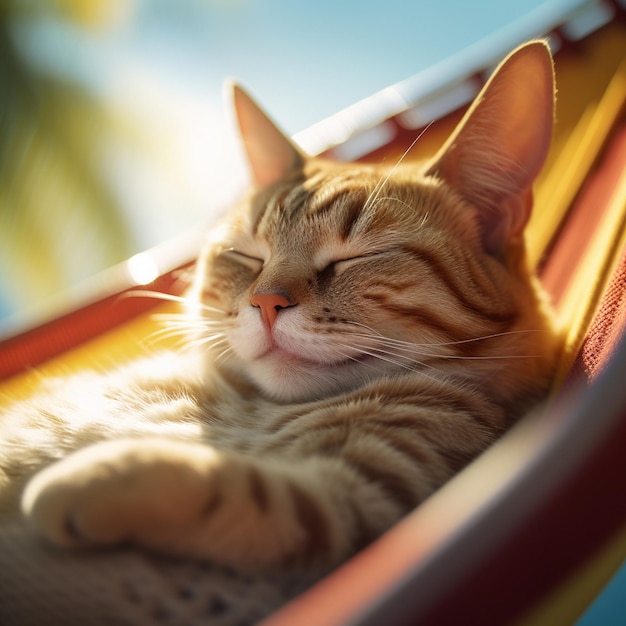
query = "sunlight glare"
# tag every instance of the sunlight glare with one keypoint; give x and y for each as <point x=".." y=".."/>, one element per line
<point x="142" y="269"/>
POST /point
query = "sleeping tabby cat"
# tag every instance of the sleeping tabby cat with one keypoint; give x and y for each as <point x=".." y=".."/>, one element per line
<point x="357" y="334"/>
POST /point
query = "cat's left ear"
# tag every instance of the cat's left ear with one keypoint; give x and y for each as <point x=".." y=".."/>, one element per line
<point x="271" y="154"/>
<point x="494" y="155"/>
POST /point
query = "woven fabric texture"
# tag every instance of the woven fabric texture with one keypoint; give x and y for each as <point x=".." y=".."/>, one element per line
<point x="43" y="586"/>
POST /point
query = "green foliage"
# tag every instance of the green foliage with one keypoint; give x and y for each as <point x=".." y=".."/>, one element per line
<point x="59" y="219"/>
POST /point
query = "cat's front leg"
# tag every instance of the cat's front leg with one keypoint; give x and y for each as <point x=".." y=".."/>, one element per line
<point x="120" y="491"/>
<point x="188" y="499"/>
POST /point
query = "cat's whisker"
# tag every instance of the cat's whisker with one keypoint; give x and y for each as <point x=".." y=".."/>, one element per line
<point x="158" y="295"/>
<point x="182" y="329"/>
<point x="397" y="353"/>
<point x="494" y="357"/>
<point x="417" y="366"/>
<point x="398" y="348"/>
<point x="207" y="340"/>
<point x="196" y="326"/>
<point x="403" y="349"/>
<point x="373" y="352"/>
<point x="187" y="331"/>
<point x="176" y="317"/>
<point x="373" y="197"/>
<point x="192" y="314"/>
<point x="178" y="322"/>
<point x="378" y="336"/>
<point x="199" y="344"/>
<point x="375" y="333"/>
<point x="165" y="333"/>
<point x="180" y="337"/>
<point x="415" y="362"/>
<point x="222" y="355"/>
<point x="484" y="337"/>
<point x="357" y="359"/>
<point x="172" y="331"/>
<point x="392" y="199"/>
<point x="177" y="340"/>
<point x="189" y="320"/>
<point x="411" y="350"/>
<point x="348" y="354"/>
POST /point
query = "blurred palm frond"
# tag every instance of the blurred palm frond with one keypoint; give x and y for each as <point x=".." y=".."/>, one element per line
<point x="59" y="218"/>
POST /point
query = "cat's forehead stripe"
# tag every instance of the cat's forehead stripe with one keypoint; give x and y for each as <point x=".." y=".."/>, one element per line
<point x="313" y="198"/>
<point x="352" y="216"/>
<point x="283" y="196"/>
<point x="340" y="197"/>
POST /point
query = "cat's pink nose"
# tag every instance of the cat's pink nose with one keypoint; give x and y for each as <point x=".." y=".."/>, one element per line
<point x="270" y="304"/>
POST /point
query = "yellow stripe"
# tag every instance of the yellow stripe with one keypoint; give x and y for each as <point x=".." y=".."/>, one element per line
<point x="131" y="339"/>
<point x="572" y="166"/>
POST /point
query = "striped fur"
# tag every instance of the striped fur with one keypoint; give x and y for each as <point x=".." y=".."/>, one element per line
<point x="357" y="334"/>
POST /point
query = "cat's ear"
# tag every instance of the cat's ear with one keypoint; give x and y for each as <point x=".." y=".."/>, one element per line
<point x="497" y="150"/>
<point x="271" y="154"/>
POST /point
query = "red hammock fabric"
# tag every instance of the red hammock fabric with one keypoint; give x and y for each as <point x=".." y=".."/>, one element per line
<point x="607" y="329"/>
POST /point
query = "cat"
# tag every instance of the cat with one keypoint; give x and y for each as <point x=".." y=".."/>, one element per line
<point x="357" y="334"/>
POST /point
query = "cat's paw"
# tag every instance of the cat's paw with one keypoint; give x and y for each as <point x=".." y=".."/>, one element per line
<point x="139" y="491"/>
<point x="181" y="499"/>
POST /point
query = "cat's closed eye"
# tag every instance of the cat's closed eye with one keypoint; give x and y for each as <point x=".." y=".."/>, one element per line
<point x="340" y="265"/>
<point x="251" y="262"/>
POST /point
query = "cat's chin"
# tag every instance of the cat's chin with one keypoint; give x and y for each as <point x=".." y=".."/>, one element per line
<point x="286" y="377"/>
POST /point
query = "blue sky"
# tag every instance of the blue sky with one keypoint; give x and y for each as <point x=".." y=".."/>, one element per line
<point x="306" y="60"/>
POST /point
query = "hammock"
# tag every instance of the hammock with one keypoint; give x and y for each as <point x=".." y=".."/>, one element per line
<point x="528" y="534"/>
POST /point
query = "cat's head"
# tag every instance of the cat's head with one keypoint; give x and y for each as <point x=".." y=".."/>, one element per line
<point x="330" y="275"/>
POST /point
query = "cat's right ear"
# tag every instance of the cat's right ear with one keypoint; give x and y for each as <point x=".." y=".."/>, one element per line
<point x="271" y="154"/>
<point x="495" y="153"/>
